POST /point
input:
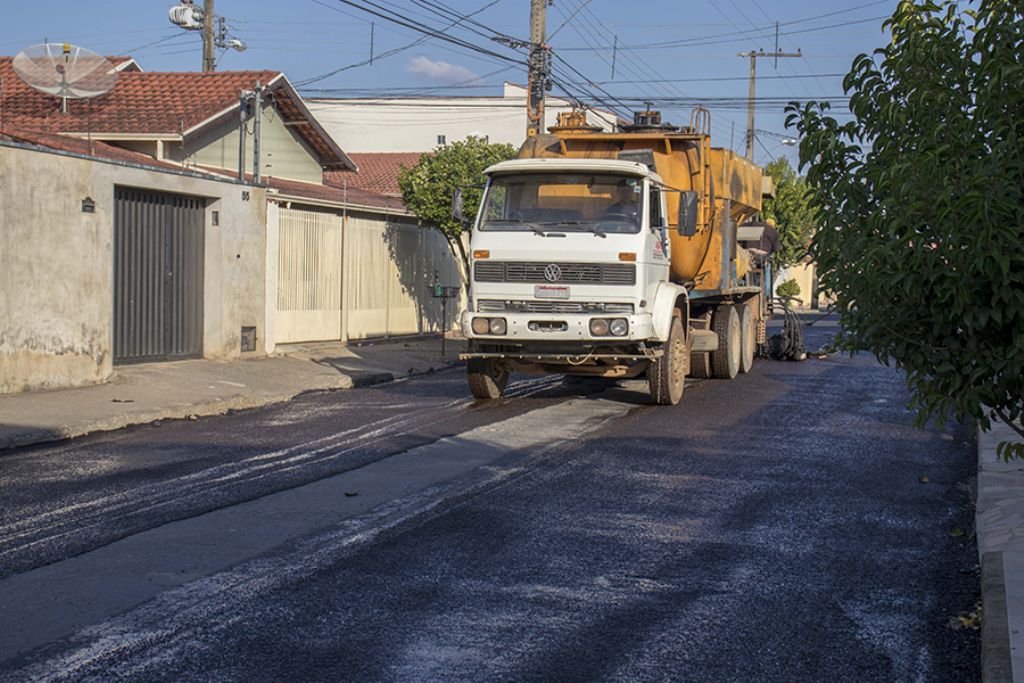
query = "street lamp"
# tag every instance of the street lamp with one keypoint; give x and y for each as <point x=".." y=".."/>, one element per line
<point x="788" y="142"/>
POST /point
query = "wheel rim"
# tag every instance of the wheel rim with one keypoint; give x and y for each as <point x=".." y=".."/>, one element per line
<point x="677" y="366"/>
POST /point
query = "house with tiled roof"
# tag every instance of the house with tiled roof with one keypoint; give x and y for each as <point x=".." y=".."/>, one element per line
<point x="188" y="118"/>
<point x="337" y="255"/>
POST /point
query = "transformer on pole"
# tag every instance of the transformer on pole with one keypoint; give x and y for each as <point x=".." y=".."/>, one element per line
<point x="189" y="16"/>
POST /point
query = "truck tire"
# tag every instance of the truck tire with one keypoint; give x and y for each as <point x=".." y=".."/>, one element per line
<point x="725" y="361"/>
<point x="666" y="378"/>
<point x="487" y="378"/>
<point x="748" y="338"/>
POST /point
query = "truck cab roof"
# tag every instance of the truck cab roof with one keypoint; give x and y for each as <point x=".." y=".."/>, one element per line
<point x="574" y="165"/>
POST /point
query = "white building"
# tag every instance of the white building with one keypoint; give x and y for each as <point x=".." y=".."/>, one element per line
<point x="419" y="124"/>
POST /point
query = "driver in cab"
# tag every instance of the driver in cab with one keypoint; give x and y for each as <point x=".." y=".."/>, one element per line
<point x="625" y="206"/>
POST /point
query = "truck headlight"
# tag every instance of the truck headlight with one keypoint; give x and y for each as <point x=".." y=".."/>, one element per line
<point x="498" y="327"/>
<point x="619" y="327"/>
<point x="480" y="325"/>
<point x="599" y="327"/>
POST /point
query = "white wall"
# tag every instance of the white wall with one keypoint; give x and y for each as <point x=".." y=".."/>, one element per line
<point x="413" y="124"/>
<point x="56" y="265"/>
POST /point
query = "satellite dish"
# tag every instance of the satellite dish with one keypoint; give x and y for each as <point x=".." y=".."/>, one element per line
<point x="65" y="71"/>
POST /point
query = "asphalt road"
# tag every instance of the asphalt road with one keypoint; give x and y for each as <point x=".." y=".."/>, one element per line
<point x="775" y="527"/>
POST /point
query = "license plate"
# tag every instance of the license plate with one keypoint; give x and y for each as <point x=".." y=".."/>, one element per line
<point x="543" y="292"/>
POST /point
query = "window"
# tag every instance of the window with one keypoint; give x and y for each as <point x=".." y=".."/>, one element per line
<point x="442" y="140"/>
<point x="597" y="203"/>
<point x="657" y="220"/>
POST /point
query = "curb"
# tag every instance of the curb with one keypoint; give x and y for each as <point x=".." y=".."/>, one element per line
<point x="996" y="666"/>
<point x="204" y="409"/>
<point x="998" y="529"/>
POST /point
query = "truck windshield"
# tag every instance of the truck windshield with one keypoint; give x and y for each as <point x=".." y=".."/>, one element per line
<point x="541" y="202"/>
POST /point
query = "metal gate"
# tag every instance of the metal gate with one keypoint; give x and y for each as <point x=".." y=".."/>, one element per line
<point x="357" y="278"/>
<point x="309" y="276"/>
<point x="158" y="276"/>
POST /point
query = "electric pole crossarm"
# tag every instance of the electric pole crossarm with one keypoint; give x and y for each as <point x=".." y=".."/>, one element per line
<point x="753" y="55"/>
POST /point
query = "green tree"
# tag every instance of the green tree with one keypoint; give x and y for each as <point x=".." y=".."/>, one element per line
<point x="789" y="288"/>
<point x="793" y="211"/>
<point x="428" y="187"/>
<point x="922" y="206"/>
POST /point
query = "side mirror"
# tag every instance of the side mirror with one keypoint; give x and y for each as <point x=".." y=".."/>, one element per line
<point x="457" y="206"/>
<point x="688" y="213"/>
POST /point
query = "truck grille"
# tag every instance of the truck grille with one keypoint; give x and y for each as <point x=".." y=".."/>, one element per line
<point x="571" y="273"/>
<point x="495" y="306"/>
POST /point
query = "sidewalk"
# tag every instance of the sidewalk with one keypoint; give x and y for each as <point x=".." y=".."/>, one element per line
<point x="1000" y="529"/>
<point x="139" y="394"/>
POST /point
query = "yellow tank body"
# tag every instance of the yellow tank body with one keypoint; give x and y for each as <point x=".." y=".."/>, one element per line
<point x="685" y="160"/>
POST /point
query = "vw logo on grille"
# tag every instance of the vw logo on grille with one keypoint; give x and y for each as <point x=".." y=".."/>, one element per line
<point x="552" y="273"/>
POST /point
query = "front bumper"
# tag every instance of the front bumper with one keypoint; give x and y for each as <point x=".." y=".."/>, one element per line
<point x="544" y="327"/>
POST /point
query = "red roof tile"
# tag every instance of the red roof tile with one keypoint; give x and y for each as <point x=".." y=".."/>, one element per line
<point x="353" y="196"/>
<point x="142" y="103"/>
<point x="159" y="103"/>
<point x="378" y="172"/>
<point x="96" y="149"/>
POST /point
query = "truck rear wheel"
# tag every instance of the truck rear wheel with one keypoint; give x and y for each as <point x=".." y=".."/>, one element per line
<point x="748" y="337"/>
<point x="725" y="361"/>
<point x="487" y="378"/>
<point x="666" y="378"/>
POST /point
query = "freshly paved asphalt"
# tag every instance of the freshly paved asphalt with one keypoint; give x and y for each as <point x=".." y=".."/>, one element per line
<point x="776" y="527"/>
<point x="58" y="501"/>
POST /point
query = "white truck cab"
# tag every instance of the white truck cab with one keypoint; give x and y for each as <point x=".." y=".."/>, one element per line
<point x="570" y="274"/>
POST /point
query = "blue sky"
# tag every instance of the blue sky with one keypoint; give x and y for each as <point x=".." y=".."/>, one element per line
<point x="308" y="38"/>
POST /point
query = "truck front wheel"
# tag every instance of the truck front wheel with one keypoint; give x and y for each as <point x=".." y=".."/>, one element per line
<point x="487" y="378"/>
<point x="666" y="378"/>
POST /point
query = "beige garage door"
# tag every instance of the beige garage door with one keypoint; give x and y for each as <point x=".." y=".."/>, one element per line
<point x="309" y="276"/>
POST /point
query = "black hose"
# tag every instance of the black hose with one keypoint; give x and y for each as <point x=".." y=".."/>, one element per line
<point x="789" y="343"/>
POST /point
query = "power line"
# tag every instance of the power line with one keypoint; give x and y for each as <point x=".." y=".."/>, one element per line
<point x="711" y="79"/>
<point x="419" y="27"/>
<point x="428" y="31"/>
<point x="640" y="68"/>
<point x="706" y="40"/>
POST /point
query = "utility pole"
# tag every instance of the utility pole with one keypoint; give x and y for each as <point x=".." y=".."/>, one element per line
<point x="257" y="130"/>
<point x="209" y="36"/>
<point x="538" y="84"/>
<point x="753" y="90"/>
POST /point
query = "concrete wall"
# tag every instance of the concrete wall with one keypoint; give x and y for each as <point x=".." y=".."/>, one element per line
<point x="283" y="154"/>
<point x="806" y="275"/>
<point x="56" y="265"/>
<point x="413" y="124"/>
